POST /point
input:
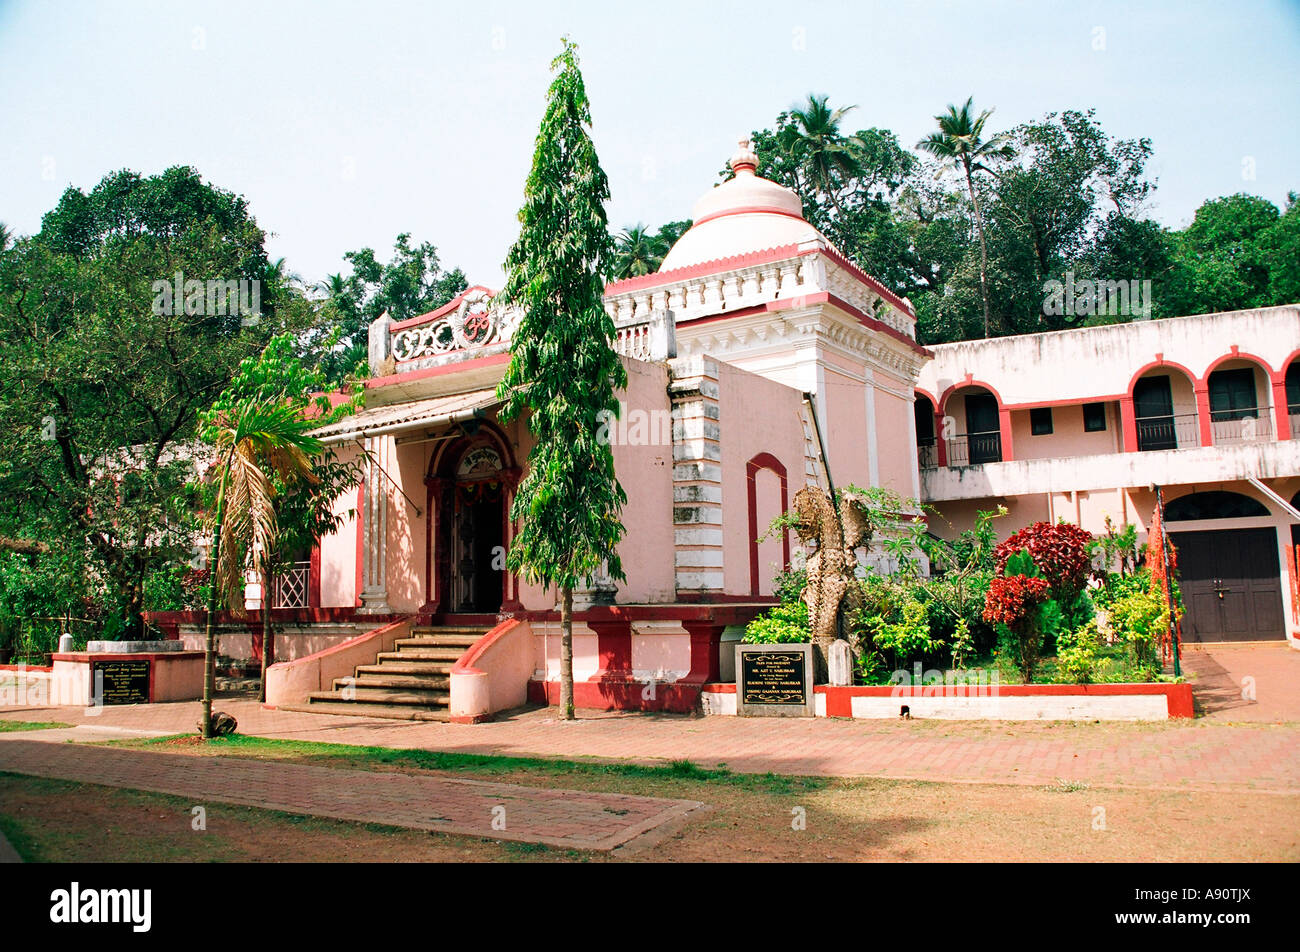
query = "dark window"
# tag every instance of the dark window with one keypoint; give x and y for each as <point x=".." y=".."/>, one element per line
<point x="924" y="421"/>
<point x="1153" y="405"/>
<point x="1040" y="421"/>
<point x="1094" y="417"/>
<point x="1212" y="505"/>
<point x="1232" y="394"/>
<point x="984" y="443"/>
<point x="1293" y="387"/>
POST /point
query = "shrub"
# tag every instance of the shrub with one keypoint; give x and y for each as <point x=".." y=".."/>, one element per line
<point x="908" y="637"/>
<point x="1141" y="619"/>
<point x="870" y="668"/>
<point x="963" y="644"/>
<point x="1016" y="606"/>
<point x="1061" y="552"/>
<point x="784" y="624"/>
<point x="1077" y="654"/>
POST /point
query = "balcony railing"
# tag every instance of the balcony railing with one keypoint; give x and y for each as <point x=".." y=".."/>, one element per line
<point x="1242" y="425"/>
<point x="292" y="586"/>
<point x="1293" y="413"/>
<point x="1167" y="432"/>
<point x="927" y="453"/>
<point x="971" y="449"/>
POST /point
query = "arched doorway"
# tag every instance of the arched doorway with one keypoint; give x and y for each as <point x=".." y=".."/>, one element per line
<point x="1165" y="413"/>
<point x="471" y="481"/>
<point x="976" y="417"/>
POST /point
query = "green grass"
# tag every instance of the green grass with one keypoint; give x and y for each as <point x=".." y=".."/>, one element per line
<point x="494" y="765"/>
<point x="30" y="725"/>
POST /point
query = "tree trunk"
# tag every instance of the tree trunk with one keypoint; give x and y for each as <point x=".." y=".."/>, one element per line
<point x="268" y="630"/>
<point x="984" y="251"/>
<point x="210" y="638"/>
<point x="566" y="653"/>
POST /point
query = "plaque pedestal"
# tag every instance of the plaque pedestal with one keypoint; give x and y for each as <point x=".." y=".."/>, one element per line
<point x="774" y="680"/>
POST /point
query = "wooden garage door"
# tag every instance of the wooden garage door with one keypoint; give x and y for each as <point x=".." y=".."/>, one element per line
<point x="1231" y="583"/>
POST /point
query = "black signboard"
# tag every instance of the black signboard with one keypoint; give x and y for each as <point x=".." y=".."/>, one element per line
<point x="123" y="682"/>
<point x="773" y="677"/>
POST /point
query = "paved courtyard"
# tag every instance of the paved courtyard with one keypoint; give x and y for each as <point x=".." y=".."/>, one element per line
<point x="1239" y="744"/>
<point x="1244" y="742"/>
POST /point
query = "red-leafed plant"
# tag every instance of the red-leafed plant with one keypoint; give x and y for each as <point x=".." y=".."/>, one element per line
<point x="1060" y="550"/>
<point x="1011" y="599"/>
<point x="1020" y="606"/>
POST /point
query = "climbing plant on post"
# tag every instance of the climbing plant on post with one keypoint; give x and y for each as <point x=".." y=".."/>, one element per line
<point x="563" y="368"/>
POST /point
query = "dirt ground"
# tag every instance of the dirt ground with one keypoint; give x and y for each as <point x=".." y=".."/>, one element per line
<point x="791" y="819"/>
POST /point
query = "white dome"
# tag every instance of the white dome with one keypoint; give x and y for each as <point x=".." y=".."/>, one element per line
<point x="743" y="215"/>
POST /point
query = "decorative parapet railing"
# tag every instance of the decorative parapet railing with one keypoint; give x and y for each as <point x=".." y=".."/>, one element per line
<point x="652" y="338"/>
<point x="806" y="269"/>
<point x="470" y="328"/>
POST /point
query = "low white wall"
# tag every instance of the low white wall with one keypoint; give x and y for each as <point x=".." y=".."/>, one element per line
<point x="1115" y="707"/>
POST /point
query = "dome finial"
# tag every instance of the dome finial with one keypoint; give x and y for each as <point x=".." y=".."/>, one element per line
<point x="745" y="158"/>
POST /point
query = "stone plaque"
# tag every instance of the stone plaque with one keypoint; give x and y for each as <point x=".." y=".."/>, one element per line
<point x="124" y="682"/>
<point x="774" y="680"/>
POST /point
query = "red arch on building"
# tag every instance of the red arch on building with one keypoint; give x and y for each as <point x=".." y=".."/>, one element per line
<point x="769" y="462"/>
<point x="1128" y="418"/>
<point x="1004" y="417"/>
<point x="1276" y="384"/>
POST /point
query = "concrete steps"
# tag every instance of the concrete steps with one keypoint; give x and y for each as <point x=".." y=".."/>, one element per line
<point x="410" y="683"/>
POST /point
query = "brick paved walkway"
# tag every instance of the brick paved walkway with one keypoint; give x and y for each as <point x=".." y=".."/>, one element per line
<point x="1240" y="745"/>
<point x="564" y="818"/>
<point x="1178" y="755"/>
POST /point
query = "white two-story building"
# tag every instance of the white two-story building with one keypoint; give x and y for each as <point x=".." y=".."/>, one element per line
<point x="1085" y="424"/>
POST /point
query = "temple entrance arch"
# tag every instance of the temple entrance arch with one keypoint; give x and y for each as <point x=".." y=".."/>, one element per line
<point x="471" y="482"/>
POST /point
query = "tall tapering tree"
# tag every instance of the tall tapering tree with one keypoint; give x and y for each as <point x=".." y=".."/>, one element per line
<point x="958" y="142"/>
<point x="563" y="369"/>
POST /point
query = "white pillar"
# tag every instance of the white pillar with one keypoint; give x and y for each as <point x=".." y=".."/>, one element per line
<point x="374" y="551"/>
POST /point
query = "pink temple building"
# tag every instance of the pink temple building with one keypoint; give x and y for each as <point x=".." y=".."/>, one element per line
<point x="760" y="359"/>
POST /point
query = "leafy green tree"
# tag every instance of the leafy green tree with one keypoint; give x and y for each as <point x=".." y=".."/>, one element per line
<point x="1072" y="188"/>
<point x="1223" y="248"/>
<point x="411" y="283"/>
<point x="959" y="141"/>
<point x="102" y="376"/>
<point x="563" y="369"/>
<point x="1280" y="248"/>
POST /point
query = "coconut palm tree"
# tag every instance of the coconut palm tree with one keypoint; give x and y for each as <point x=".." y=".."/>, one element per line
<point x="958" y="142"/>
<point x="255" y="441"/>
<point x="827" y="159"/>
<point x="637" y="252"/>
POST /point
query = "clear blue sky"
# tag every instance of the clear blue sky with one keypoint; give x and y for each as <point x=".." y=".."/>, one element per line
<point x="346" y="123"/>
